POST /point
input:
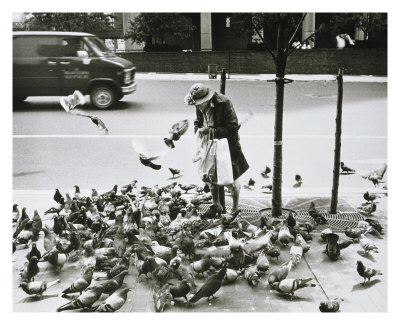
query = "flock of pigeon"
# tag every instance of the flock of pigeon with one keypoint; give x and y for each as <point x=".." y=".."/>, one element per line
<point x="165" y="237"/>
<point x="168" y="240"/>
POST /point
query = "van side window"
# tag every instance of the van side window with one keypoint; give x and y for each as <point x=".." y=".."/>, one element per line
<point x="70" y="46"/>
<point x="35" y="46"/>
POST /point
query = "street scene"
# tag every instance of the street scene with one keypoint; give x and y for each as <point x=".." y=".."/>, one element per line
<point x="121" y="219"/>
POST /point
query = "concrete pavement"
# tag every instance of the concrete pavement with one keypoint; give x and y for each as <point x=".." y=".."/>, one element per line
<point x="333" y="279"/>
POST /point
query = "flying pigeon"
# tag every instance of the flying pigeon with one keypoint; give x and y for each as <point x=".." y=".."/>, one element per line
<point x="71" y="101"/>
<point x="175" y="133"/>
<point x="145" y="158"/>
<point x="266" y="172"/>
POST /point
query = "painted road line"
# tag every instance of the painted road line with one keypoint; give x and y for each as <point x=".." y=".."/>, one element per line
<point x="153" y="136"/>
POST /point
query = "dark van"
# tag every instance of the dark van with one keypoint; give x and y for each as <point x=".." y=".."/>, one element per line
<point x="57" y="63"/>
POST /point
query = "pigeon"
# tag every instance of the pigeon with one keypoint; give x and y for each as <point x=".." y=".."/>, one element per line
<point x="210" y="287"/>
<point x="60" y="224"/>
<point x="279" y="274"/>
<point x="162" y="298"/>
<point x="332" y="247"/>
<point x="30" y="270"/>
<point x="252" y="275"/>
<point x="57" y="208"/>
<point x="99" y="123"/>
<point x="175" y="133"/>
<point x="375" y="225"/>
<point x="284" y="235"/>
<point x="113" y="284"/>
<point x="298" y="180"/>
<point x="77" y="193"/>
<point x="250" y="184"/>
<point x="376" y="175"/>
<point x="145" y="158"/>
<point x="81" y="284"/>
<point x="267" y="187"/>
<point x="34" y="252"/>
<point x="22" y="222"/>
<point x="201" y="265"/>
<point x="85" y="300"/>
<point x="57" y="259"/>
<point x="49" y="238"/>
<point x="71" y="101"/>
<point x="266" y="172"/>
<point x="180" y="290"/>
<point x="187" y="188"/>
<point x="366" y="272"/>
<point x="175" y="172"/>
<point x="312" y="211"/>
<point x="290" y="220"/>
<point x="15" y="213"/>
<point x="367" y="210"/>
<point x="273" y="251"/>
<point x="37" y="287"/>
<point x="367" y="245"/>
<point x="262" y="262"/>
<point x="57" y="196"/>
<point x="330" y="306"/>
<point x="289" y="286"/>
<point x="370" y="197"/>
<point x="36" y="224"/>
<point x="114" y="302"/>
<point x="346" y="169"/>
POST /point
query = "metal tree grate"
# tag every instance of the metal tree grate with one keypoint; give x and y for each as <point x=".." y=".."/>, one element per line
<point x="345" y="217"/>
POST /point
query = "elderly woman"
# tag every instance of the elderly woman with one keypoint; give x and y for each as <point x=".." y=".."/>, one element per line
<point x="215" y="112"/>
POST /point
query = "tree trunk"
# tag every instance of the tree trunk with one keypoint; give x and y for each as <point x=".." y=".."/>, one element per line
<point x="336" y="164"/>
<point x="280" y="84"/>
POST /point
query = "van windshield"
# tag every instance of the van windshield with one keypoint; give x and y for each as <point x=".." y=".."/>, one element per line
<point x="99" y="47"/>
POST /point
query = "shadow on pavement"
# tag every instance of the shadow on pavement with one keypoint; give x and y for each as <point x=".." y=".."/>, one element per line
<point x="286" y="297"/>
<point x="36" y="298"/>
<point x="368" y="256"/>
<point x="28" y="173"/>
<point x="53" y="105"/>
<point x="366" y="285"/>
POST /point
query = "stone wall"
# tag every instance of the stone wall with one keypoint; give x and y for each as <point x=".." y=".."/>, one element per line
<point x="315" y="61"/>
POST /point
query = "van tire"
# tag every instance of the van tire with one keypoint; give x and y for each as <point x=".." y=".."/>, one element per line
<point x="102" y="96"/>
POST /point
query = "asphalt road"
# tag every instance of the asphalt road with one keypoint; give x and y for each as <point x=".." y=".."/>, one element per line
<point x="54" y="149"/>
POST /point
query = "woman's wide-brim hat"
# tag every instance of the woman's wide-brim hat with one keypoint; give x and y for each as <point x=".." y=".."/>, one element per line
<point x="198" y="94"/>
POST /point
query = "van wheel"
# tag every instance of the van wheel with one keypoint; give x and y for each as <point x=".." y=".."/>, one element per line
<point x="102" y="96"/>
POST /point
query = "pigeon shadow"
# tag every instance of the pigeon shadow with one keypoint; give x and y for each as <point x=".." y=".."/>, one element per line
<point x="368" y="256"/>
<point x="36" y="298"/>
<point x="28" y="173"/>
<point x="174" y="177"/>
<point x="287" y="297"/>
<point x="366" y="285"/>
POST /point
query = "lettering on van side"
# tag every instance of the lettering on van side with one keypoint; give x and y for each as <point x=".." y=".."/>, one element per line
<point x="76" y="74"/>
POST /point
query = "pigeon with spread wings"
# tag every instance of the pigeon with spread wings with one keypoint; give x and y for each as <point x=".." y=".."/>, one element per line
<point x="175" y="133"/>
<point x="145" y="158"/>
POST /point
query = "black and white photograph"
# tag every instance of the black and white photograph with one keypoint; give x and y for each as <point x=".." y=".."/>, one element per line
<point x="199" y="161"/>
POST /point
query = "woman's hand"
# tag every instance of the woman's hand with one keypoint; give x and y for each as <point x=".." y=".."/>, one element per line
<point x="204" y="131"/>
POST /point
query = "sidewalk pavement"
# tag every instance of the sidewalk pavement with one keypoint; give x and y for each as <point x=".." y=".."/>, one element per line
<point x="332" y="279"/>
<point x="256" y="77"/>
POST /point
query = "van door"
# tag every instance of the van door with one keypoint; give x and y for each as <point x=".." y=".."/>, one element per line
<point x="35" y="65"/>
<point x="75" y="72"/>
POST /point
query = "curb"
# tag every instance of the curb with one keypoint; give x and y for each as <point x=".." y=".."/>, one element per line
<point x="256" y="77"/>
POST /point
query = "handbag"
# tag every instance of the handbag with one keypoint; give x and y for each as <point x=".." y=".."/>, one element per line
<point x="224" y="162"/>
